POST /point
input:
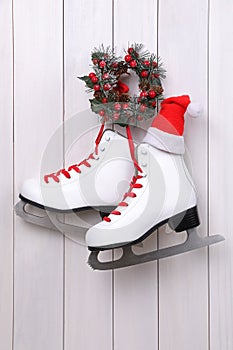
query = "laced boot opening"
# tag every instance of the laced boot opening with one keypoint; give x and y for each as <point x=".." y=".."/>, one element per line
<point x="75" y="167"/>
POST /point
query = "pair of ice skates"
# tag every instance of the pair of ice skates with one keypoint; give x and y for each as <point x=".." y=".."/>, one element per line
<point x="158" y="190"/>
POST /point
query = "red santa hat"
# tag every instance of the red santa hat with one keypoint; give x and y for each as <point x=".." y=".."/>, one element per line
<point x="166" y="131"/>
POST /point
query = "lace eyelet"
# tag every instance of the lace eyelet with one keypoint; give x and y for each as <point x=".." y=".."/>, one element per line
<point x="102" y="149"/>
<point x="107" y="138"/>
<point x="144" y="165"/>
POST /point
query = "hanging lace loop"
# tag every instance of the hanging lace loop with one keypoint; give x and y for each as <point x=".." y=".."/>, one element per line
<point x="131" y="148"/>
<point x="98" y="138"/>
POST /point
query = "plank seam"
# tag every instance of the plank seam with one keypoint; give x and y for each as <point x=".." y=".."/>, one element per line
<point x="208" y="171"/>
<point x="13" y="175"/>
<point x="113" y="273"/>
<point x="158" y="264"/>
<point x="63" y="156"/>
<point x="113" y="24"/>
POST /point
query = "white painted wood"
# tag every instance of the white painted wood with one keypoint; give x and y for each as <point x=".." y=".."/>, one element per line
<point x="153" y="306"/>
<point x="6" y="177"/>
<point x="135" y="289"/>
<point x="183" y="280"/>
<point x="38" y="322"/>
<point x="88" y="302"/>
<point x="220" y="174"/>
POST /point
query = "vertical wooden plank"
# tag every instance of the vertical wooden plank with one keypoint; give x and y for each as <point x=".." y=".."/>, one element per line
<point x="220" y="174"/>
<point x="38" y="112"/>
<point x="183" y="280"/>
<point x="88" y="293"/>
<point x="136" y="299"/>
<point x="6" y="176"/>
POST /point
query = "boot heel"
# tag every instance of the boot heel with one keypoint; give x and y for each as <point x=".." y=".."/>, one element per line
<point x="185" y="220"/>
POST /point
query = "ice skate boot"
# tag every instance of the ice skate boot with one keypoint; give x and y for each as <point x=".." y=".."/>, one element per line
<point x="161" y="191"/>
<point x="97" y="182"/>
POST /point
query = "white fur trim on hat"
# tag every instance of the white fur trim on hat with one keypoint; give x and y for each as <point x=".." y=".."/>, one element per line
<point x="166" y="142"/>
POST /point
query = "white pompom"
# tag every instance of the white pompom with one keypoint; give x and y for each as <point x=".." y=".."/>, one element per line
<point x="194" y="109"/>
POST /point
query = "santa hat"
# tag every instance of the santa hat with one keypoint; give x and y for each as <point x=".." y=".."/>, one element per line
<point x="166" y="131"/>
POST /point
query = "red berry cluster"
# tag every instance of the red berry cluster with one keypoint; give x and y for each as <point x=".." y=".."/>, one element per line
<point x="133" y="59"/>
<point x="118" y="108"/>
<point x="110" y="101"/>
<point x="146" y="70"/>
<point x="101" y="80"/>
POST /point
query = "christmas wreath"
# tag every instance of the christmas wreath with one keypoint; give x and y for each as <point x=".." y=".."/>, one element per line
<point x="111" y="96"/>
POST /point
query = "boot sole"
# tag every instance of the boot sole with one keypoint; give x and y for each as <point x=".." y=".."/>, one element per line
<point x="106" y="210"/>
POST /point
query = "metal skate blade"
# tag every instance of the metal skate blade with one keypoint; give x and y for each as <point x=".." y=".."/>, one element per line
<point x="43" y="221"/>
<point x="129" y="258"/>
<point x="124" y="261"/>
<point x="50" y="222"/>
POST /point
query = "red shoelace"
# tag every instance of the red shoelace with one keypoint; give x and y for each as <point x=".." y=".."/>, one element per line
<point x="133" y="183"/>
<point x="75" y="167"/>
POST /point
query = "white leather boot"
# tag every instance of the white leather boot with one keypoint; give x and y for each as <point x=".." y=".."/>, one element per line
<point x="98" y="181"/>
<point x="161" y="191"/>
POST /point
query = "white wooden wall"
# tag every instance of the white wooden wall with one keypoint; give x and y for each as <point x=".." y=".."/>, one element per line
<point x="49" y="298"/>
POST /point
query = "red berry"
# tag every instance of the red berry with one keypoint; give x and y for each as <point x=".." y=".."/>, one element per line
<point x="107" y="87"/>
<point x="128" y="58"/>
<point x="125" y="106"/>
<point x="94" y="79"/>
<point x="147" y="63"/>
<point x="130" y="50"/>
<point x="153" y="104"/>
<point x="139" y="99"/>
<point x="104" y="100"/>
<point x="156" y="76"/>
<point x="154" y="64"/>
<point x="91" y="75"/>
<point x="143" y="94"/>
<point x="144" y="74"/>
<point x="101" y="112"/>
<point x="133" y="64"/>
<point x="105" y="76"/>
<point x="116" y="116"/>
<point x="95" y="61"/>
<point x="142" y="108"/>
<point x="117" y="106"/>
<point x="152" y="94"/>
<point x="115" y="65"/>
<point x="96" y="87"/>
<point x="102" y="64"/>
<point x="140" y="117"/>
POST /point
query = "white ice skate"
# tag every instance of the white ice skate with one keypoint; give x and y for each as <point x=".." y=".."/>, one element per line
<point x="161" y="191"/>
<point x="97" y="182"/>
